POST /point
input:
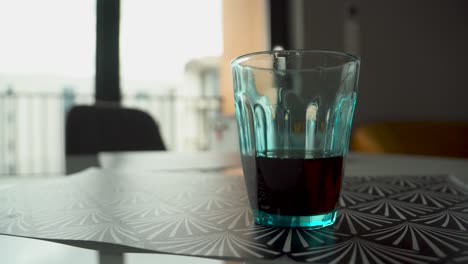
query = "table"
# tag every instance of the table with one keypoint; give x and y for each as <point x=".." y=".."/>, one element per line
<point x="21" y="250"/>
<point x="358" y="164"/>
<point x="167" y="160"/>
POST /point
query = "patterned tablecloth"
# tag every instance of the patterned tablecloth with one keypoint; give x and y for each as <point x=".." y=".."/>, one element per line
<point x="394" y="219"/>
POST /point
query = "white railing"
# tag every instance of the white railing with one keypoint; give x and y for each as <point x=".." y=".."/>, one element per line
<point x="32" y="126"/>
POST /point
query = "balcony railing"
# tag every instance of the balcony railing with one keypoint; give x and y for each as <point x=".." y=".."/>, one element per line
<point x="32" y="126"/>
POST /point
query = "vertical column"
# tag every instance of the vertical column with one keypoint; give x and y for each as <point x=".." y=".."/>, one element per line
<point x="245" y="29"/>
<point x="107" y="82"/>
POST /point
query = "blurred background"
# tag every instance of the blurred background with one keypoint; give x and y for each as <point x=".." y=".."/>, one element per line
<point x="171" y="60"/>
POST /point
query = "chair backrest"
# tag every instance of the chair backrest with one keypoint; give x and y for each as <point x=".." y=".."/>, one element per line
<point x="91" y="129"/>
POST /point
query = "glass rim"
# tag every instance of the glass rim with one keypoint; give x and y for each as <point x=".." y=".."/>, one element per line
<point x="238" y="60"/>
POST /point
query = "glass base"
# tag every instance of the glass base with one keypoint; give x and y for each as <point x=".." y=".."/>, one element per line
<point x="308" y="222"/>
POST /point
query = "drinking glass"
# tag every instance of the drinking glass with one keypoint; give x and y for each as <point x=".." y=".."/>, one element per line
<point x="294" y="110"/>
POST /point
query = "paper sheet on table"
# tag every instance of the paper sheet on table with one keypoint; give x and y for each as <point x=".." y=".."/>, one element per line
<point x="163" y="160"/>
<point x="415" y="219"/>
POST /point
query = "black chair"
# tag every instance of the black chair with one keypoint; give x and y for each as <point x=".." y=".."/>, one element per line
<point x="96" y="128"/>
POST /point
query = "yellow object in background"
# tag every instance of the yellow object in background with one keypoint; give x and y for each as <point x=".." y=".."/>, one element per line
<point x="448" y="139"/>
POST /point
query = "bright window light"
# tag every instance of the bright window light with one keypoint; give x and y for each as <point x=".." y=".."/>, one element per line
<point x="52" y="37"/>
<point x="159" y="37"/>
<point x="57" y="37"/>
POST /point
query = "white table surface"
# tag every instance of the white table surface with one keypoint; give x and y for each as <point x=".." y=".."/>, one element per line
<point x="358" y="164"/>
<point x="24" y="250"/>
<point x="167" y="160"/>
<point x="380" y="164"/>
<point x="20" y="250"/>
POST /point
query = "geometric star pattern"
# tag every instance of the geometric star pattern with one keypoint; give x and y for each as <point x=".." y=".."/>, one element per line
<point x="389" y="219"/>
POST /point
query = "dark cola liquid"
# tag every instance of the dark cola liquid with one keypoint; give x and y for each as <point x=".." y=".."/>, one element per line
<point x="293" y="186"/>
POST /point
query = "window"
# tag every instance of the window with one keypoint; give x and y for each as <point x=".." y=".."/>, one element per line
<point x="158" y="38"/>
<point x="47" y="52"/>
<point x="47" y="37"/>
